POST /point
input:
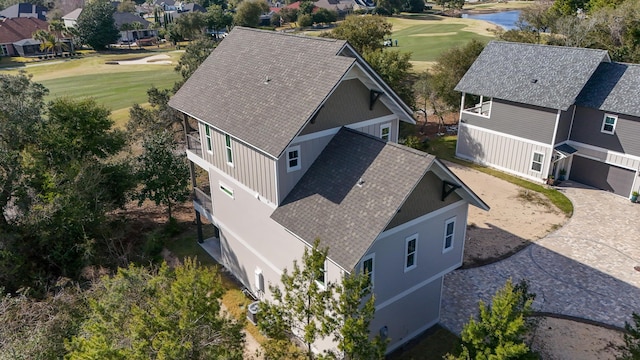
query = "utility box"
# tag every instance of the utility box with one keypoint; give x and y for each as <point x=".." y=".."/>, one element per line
<point x="252" y="312"/>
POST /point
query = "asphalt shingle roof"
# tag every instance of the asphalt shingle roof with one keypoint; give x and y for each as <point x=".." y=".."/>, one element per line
<point x="541" y="75"/>
<point x="614" y="87"/>
<point x="261" y="86"/>
<point x="328" y="204"/>
<point x="14" y="30"/>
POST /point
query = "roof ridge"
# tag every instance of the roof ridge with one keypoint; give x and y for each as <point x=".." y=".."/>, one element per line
<point x="549" y="46"/>
<point x="301" y="36"/>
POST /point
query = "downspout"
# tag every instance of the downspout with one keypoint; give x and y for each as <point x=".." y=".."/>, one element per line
<point x="553" y="143"/>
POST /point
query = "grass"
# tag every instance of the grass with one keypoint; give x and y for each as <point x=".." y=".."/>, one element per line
<point x="445" y="148"/>
<point x="432" y="345"/>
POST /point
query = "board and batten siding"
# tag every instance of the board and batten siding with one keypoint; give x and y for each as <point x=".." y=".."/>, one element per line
<point x="374" y="129"/>
<point x="587" y="126"/>
<point x="525" y="121"/>
<point x="502" y="152"/>
<point x="564" y="125"/>
<point x="608" y="157"/>
<point x="250" y="167"/>
<point x="348" y="104"/>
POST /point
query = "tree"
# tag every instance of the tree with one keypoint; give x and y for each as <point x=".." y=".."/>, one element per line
<point x="425" y="91"/>
<point x="451" y="4"/>
<point x="501" y="327"/>
<point x="47" y="40"/>
<point x="631" y="348"/>
<point x="249" y="11"/>
<point x="387" y="7"/>
<point x="325" y="16"/>
<point x="218" y="18"/>
<point x="306" y="7"/>
<point x="191" y="25"/>
<point x="415" y="6"/>
<point x="394" y="68"/>
<point x="96" y="26"/>
<point x="160" y="314"/>
<point x="364" y="33"/>
<point x="450" y="68"/>
<point x="162" y="171"/>
<point x="127" y="6"/>
<point x="195" y="54"/>
<point x="569" y="7"/>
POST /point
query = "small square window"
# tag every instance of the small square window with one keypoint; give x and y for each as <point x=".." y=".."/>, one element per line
<point x="411" y="245"/>
<point x="293" y="158"/>
<point x="609" y="124"/>
<point x="227" y="190"/>
<point x="449" y="232"/>
<point x="536" y="162"/>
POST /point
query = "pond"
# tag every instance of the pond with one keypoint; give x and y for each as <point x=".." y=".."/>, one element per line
<point x="504" y="19"/>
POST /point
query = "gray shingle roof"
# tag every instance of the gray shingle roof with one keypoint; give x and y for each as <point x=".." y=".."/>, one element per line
<point x="542" y="75"/>
<point x="261" y="86"/>
<point x="328" y="204"/>
<point x="614" y="87"/>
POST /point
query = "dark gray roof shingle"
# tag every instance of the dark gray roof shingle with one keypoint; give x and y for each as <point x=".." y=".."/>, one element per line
<point x="614" y="87"/>
<point x="328" y="204"/>
<point x="541" y="75"/>
<point x="261" y="86"/>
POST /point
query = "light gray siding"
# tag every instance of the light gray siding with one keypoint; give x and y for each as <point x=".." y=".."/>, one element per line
<point x="309" y="151"/>
<point x="587" y="126"/>
<point x="602" y="176"/>
<point x="526" y="121"/>
<point x="390" y="278"/>
<point x="374" y="129"/>
<point x="252" y="168"/>
<point x="564" y="125"/>
<point x="425" y="198"/>
<point x="348" y="104"/>
<point x="504" y="153"/>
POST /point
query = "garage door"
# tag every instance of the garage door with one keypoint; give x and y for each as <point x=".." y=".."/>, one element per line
<point x="602" y="176"/>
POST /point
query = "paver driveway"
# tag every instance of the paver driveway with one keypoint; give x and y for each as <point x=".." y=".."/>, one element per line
<point x="585" y="269"/>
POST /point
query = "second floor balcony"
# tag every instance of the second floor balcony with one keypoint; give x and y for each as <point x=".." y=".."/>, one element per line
<point x="193" y="143"/>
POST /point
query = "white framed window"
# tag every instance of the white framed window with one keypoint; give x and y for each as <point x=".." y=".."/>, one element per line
<point x="536" y="161"/>
<point x="410" y="252"/>
<point x="227" y="190"/>
<point x="227" y="143"/>
<point x="609" y="124"/>
<point x="368" y="267"/>
<point x="293" y="158"/>
<point x="207" y="136"/>
<point x="321" y="277"/>
<point x="449" y="233"/>
<point x="385" y="132"/>
<point x="482" y="108"/>
<point x="4" y="51"/>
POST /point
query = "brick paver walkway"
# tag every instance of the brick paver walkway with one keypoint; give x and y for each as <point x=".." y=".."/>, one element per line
<point x="585" y="269"/>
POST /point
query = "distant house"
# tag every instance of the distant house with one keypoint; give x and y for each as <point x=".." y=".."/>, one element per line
<point x="129" y="36"/>
<point x="16" y="36"/>
<point x="24" y="10"/>
<point x="306" y="149"/>
<point x="71" y="19"/>
<point x="547" y="111"/>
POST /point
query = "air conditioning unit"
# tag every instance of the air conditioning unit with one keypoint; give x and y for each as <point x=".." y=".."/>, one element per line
<point x="252" y="312"/>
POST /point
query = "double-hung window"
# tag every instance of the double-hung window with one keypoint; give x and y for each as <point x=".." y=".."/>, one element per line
<point x="207" y="135"/>
<point x="321" y="275"/>
<point x="367" y="267"/>
<point x="4" y="51"/>
<point x="449" y="233"/>
<point x="536" y="161"/>
<point x="385" y="132"/>
<point x="609" y="124"/>
<point x="227" y="142"/>
<point x="293" y="158"/>
<point x="410" y="252"/>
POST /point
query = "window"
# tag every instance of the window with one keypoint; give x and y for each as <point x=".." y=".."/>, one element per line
<point x="322" y="273"/>
<point x="410" y="249"/>
<point x="367" y="267"/>
<point x="609" y="124"/>
<point x="227" y="141"/>
<point x="482" y="108"/>
<point x="293" y="158"/>
<point x="4" y="51"/>
<point x="449" y="229"/>
<point x="207" y="135"/>
<point x="536" y="162"/>
<point x="227" y="190"/>
<point x="385" y="132"/>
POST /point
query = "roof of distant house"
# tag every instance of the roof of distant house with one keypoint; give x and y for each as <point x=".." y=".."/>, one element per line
<point x="262" y="87"/>
<point x="24" y="10"/>
<point x="614" y="88"/>
<point x="73" y="15"/>
<point x="128" y="18"/>
<point x="541" y="75"/>
<point x="14" y="30"/>
<point x="191" y="7"/>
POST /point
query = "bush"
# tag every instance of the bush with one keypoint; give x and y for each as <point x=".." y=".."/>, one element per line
<point x="305" y="20"/>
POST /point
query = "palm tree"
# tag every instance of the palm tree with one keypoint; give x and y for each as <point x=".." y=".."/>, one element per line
<point x="127" y="27"/>
<point x="47" y="40"/>
<point x="137" y="26"/>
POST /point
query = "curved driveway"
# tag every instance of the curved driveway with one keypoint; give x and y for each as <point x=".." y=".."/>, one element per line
<point x="585" y="269"/>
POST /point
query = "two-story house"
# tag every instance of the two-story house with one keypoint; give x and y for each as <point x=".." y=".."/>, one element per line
<point x="297" y="137"/>
<point x="546" y="110"/>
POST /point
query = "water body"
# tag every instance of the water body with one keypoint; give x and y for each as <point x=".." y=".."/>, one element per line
<point x="504" y="19"/>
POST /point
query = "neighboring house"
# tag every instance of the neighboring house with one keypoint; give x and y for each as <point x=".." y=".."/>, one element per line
<point x="144" y="32"/>
<point x="71" y="19"/>
<point x="543" y="111"/>
<point x="24" y="10"/>
<point x="297" y="138"/>
<point x="16" y="36"/>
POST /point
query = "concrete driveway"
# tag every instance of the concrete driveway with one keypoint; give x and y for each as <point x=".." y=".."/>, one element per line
<point x="585" y="269"/>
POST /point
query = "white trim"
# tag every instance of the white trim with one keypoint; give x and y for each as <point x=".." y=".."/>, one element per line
<point x="240" y="185"/>
<point x="445" y="248"/>
<point x="407" y="240"/>
<point x="506" y="135"/>
<point x="555" y="129"/>
<point x="412" y="335"/>
<point x="276" y="184"/>
<point x="416" y="287"/>
<point x="224" y="229"/>
<point x="371" y="256"/>
<point x="198" y="160"/>
<point x="289" y="150"/>
<point x="480" y="106"/>
<point x="333" y="131"/>
<point x="603" y="150"/>
<point x="571" y="125"/>
<point x="615" y="122"/>
<point x="208" y="139"/>
<point x="315" y="135"/>
<point x="373" y="121"/>
<point x="422" y="218"/>
<point x="533" y="161"/>
<point x="228" y="149"/>
<point x="388" y="127"/>
<point x="226" y="189"/>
